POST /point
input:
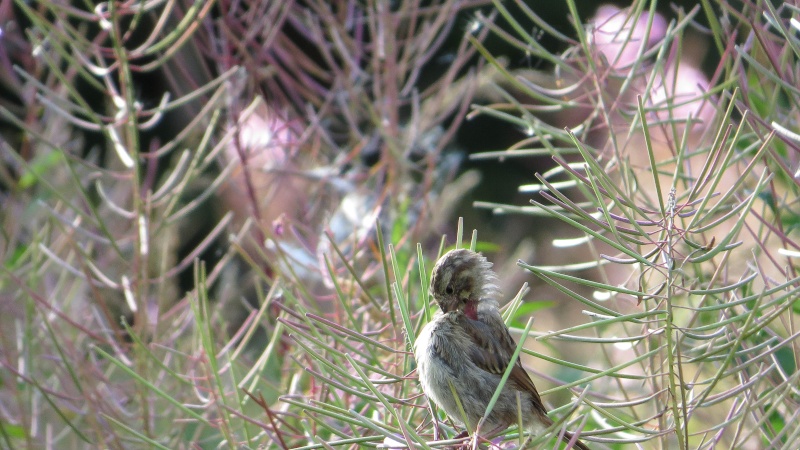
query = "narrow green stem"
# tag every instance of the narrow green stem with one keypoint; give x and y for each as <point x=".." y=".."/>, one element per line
<point x="677" y="397"/>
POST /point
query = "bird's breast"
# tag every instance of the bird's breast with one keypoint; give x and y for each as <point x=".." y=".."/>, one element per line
<point x="440" y="347"/>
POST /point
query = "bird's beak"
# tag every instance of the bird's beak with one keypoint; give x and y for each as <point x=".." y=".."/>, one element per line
<point x="448" y="304"/>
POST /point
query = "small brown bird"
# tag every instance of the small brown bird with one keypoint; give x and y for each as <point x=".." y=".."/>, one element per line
<point x="467" y="347"/>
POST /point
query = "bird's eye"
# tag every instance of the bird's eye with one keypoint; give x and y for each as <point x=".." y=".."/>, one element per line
<point x="448" y="290"/>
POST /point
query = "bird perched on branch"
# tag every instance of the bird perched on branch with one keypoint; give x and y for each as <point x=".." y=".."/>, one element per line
<point x="467" y="347"/>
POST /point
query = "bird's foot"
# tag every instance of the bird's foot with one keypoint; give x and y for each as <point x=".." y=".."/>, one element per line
<point x="466" y="444"/>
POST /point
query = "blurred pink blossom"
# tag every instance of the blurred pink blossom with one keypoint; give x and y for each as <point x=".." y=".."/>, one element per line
<point x="619" y="39"/>
<point x="679" y="94"/>
<point x="674" y="93"/>
<point x="265" y="139"/>
<point x="262" y="157"/>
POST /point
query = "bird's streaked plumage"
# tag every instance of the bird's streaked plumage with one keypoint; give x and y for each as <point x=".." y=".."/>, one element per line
<point x="467" y="347"/>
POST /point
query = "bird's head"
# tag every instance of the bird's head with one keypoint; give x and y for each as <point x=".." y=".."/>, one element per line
<point x="461" y="279"/>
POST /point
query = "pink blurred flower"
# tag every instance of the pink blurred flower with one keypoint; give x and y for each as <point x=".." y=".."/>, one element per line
<point x="261" y="157"/>
<point x="265" y="139"/>
<point x="679" y="95"/>
<point x="616" y="36"/>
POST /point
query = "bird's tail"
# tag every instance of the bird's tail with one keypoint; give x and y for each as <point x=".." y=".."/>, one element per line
<point x="570" y="439"/>
<point x="574" y="442"/>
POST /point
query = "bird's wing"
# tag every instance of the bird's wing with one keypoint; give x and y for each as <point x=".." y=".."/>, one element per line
<point x="492" y="350"/>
